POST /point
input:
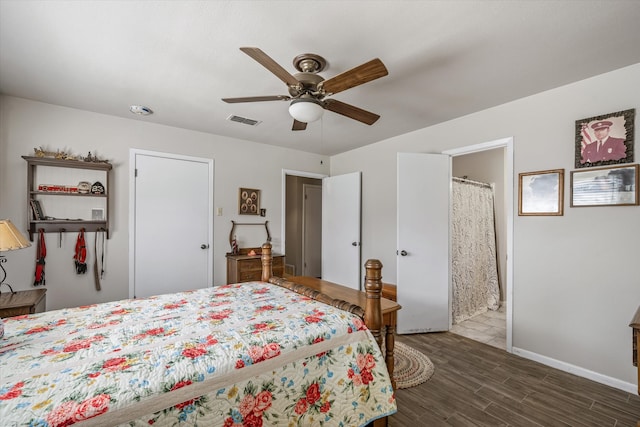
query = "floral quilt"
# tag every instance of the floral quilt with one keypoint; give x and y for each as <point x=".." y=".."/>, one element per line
<point x="250" y="354"/>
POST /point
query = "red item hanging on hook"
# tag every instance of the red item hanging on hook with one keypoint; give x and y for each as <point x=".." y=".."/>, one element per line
<point x="81" y="253"/>
<point x="41" y="254"/>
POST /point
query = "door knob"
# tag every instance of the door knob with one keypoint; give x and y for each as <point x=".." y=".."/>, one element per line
<point x="354" y="243"/>
<point x="402" y="253"/>
<point x="204" y="246"/>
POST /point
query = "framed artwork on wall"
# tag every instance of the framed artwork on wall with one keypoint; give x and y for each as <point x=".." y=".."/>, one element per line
<point x="249" y="201"/>
<point x="605" y="140"/>
<point x="541" y="193"/>
<point x="613" y="186"/>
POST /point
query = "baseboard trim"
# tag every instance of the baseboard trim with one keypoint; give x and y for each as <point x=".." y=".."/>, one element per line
<point x="577" y="370"/>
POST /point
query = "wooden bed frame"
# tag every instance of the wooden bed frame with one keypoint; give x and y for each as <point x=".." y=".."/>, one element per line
<point x="371" y="299"/>
<point x="85" y="398"/>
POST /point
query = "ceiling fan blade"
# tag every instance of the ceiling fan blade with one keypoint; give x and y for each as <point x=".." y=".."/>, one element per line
<point x="271" y="65"/>
<point x="350" y="111"/>
<point x="298" y="125"/>
<point x="257" y="99"/>
<point x="364" y="73"/>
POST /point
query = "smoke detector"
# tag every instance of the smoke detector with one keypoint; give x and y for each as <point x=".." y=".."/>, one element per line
<point x="141" y="110"/>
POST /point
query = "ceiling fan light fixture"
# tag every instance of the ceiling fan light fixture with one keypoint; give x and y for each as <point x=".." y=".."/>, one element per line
<point x="306" y="110"/>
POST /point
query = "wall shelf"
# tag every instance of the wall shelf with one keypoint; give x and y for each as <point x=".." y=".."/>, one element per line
<point x="73" y="171"/>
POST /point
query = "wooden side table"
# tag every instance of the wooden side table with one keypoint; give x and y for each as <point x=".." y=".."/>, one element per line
<point x="390" y="291"/>
<point x="22" y="302"/>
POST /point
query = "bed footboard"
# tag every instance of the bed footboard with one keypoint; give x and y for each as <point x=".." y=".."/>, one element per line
<point x="370" y="311"/>
<point x="368" y="304"/>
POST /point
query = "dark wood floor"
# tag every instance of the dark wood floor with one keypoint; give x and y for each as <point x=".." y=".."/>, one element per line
<point x="475" y="384"/>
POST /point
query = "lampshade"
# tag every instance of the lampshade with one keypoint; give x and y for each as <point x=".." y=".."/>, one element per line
<point x="306" y="110"/>
<point x="10" y="238"/>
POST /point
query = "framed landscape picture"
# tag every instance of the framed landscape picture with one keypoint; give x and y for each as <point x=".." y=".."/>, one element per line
<point x="541" y="193"/>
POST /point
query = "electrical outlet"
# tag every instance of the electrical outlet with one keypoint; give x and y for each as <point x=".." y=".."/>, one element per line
<point x="219" y="211"/>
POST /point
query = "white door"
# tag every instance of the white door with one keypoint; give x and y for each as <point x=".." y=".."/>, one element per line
<point x="172" y="223"/>
<point x="424" y="182"/>
<point x="312" y="230"/>
<point x="341" y="229"/>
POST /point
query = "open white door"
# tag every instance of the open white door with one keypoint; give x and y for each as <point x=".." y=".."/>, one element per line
<point x="341" y="201"/>
<point x="171" y="224"/>
<point x="424" y="182"/>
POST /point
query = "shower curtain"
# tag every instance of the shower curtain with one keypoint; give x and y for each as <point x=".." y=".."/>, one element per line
<point x="473" y="244"/>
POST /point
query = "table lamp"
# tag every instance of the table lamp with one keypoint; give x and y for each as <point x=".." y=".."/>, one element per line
<point x="10" y="240"/>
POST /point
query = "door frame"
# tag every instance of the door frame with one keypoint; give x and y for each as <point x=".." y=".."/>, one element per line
<point x="304" y="224"/>
<point x="283" y="225"/>
<point x="507" y="144"/>
<point x="133" y="152"/>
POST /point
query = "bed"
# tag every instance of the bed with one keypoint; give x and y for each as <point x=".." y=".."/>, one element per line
<point x="259" y="353"/>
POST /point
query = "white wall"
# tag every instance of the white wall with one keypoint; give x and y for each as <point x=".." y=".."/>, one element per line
<point x="26" y="124"/>
<point x="576" y="277"/>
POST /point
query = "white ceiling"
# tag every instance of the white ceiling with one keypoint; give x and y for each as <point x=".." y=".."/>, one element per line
<point x="445" y="59"/>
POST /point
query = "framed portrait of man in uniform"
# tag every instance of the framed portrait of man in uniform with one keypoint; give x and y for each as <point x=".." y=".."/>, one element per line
<point x="605" y="140"/>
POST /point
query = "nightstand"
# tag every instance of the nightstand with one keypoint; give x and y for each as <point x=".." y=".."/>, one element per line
<point x="22" y="302"/>
<point x="248" y="268"/>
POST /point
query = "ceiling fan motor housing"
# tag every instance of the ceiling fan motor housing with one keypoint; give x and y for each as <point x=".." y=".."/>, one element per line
<point x="309" y="83"/>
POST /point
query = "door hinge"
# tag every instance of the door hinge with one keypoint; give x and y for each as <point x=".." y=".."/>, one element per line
<point x="135" y="173"/>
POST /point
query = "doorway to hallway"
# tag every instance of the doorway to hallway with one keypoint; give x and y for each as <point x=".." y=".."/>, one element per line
<point x="302" y="223"/>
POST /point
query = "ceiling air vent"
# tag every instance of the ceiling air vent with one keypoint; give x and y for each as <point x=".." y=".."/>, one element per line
<point x="244" y="120"/>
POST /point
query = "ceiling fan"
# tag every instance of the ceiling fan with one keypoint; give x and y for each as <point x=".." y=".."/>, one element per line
<point x="308" y="91"/>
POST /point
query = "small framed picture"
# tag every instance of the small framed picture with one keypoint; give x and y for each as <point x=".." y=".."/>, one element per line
<point x="613" y="186"/>
<point x="97" y="214"/>
<point x="541" y="193"/>
<point x="249" y="201"/>
<point x="605" y="140"/>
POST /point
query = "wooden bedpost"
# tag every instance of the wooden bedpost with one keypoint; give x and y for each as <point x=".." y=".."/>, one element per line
<point x="373" y="315"/>
<point x="373" y="288"/>
<point x="267" y="261"/>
